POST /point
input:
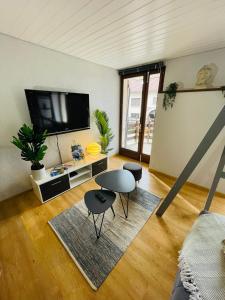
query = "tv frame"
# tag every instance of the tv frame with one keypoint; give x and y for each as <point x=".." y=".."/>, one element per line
<point x="59" y="132"/>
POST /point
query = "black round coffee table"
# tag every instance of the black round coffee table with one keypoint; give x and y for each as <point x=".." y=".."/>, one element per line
<point x="96" y="206"/>
<point x="121" y="181"/>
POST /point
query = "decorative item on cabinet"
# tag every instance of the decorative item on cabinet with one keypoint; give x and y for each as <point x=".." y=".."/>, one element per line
<point x="93" y="149"/>
<point x="77" y="152"/>
<point x="31" y="144"/>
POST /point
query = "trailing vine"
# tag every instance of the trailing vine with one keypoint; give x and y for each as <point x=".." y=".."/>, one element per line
<point x="223" y="90"/>
<point x="170" y="95"/>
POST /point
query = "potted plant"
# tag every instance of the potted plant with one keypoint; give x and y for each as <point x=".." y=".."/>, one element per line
<point x="31" y="144"/>
<point x="170" y="95"/>
<point x="106" y="135"/>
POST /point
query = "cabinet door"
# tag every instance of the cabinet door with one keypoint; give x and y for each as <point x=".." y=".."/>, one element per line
<point x="99" y="166"/>
<point x="54" y="187"/>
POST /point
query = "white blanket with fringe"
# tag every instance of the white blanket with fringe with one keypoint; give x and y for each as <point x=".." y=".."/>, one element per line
<point x="202" y="261"/>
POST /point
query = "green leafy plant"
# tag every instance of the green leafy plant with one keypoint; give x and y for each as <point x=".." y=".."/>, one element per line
<point x="31" y="144"/>
<point x="170" y="95"/>
<point x="102" y="122"/>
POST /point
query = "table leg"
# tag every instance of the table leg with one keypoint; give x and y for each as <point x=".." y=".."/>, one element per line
<point x="113" y="211"/>
<point x="125" y="212"/>
<point x="128" y="198"/>
<point x="98" y="233"/>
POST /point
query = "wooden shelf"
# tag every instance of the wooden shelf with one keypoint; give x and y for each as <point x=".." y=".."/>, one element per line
<point x="197" y="90"/>
<point x="82" y="179"/>
<point x="80" y="173"/>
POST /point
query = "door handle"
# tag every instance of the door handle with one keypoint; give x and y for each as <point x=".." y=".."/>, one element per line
<point x="57" y="182"/>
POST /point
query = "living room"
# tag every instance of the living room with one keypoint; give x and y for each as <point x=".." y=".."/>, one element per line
<point x="112" y="201"/>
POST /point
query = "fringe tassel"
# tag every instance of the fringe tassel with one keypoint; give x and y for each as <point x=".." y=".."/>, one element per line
<point x="188" y="279"/>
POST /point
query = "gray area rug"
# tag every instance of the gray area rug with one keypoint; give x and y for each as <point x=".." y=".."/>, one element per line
<point x="96" y="258"/>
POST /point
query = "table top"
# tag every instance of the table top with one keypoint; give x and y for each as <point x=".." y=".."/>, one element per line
<point x="121" y="181"/>
<point x="94" y="205"/>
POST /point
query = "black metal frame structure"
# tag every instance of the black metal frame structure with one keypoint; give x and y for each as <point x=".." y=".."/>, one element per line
<point x="98" y="232"/>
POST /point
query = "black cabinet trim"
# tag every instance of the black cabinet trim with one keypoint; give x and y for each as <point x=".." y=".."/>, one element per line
<point x="54" y="187"/>
<point x="99" y="166"/>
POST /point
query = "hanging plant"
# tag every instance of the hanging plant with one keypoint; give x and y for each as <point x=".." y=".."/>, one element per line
<point x="223" y="90"/>
<point x="170" y="95"/>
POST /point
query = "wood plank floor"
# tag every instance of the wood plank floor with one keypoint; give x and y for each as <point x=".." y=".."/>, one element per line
<point x="35" y="266"/>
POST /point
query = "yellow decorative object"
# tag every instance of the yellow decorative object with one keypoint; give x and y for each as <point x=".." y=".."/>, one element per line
<point x="93" y="148"/>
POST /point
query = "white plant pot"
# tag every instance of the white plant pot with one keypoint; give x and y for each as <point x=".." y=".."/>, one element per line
<point x="38" y="174"/>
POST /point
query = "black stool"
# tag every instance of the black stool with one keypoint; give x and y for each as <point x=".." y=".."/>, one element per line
<point x="135" y="169"/>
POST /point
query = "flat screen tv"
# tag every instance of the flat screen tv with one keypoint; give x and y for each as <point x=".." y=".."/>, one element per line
<point x="58" y="112"/>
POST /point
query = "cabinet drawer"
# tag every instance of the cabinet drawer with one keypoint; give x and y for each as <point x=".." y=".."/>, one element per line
<point x="54" y="187"/>
<point x="99" y="166"/>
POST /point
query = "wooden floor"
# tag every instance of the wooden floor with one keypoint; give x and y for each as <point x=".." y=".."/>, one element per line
<point x="34" y="264"/>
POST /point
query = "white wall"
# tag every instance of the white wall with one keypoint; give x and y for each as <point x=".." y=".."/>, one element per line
<point x="184" y="69"/>
<point x="178" y="131"/>
<point x="23" y="65"/>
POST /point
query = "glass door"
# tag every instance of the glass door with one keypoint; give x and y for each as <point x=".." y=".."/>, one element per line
<point x="131" y="115"/>
<point x="138" y="107"/>
<point x="149" y="115"/>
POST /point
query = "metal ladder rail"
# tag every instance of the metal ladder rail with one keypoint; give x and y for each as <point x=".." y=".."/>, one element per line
<point x="203" y="147"/>
<point x="218" y="175"/>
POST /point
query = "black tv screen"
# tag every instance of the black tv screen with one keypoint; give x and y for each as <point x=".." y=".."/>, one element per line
<point x="58" y="112"/>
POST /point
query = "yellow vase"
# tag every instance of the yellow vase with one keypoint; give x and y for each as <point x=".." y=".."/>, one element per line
<point x="93" y="149"/>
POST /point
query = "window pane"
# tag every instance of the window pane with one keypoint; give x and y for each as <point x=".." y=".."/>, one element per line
<point x="150" y="112"/>
<point x="132" y="99"/>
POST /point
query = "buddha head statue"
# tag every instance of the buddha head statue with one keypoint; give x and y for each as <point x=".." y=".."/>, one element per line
<point x="205" y="76"/>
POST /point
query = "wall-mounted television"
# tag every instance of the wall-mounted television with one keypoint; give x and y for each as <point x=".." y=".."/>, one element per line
<point x="58" y="112"/>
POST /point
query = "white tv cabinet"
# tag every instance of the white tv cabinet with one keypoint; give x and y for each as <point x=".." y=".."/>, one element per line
<point x="77" y="173"/>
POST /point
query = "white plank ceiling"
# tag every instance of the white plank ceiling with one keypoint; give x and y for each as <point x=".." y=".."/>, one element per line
<point x="117" y="33"/>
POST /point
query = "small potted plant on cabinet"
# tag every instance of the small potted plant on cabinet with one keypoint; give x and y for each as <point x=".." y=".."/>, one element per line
<point x="31" y="144"/>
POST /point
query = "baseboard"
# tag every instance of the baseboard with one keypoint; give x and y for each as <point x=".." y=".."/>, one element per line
<point x="16" y="195"/>
<point x="188" y="183"/>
